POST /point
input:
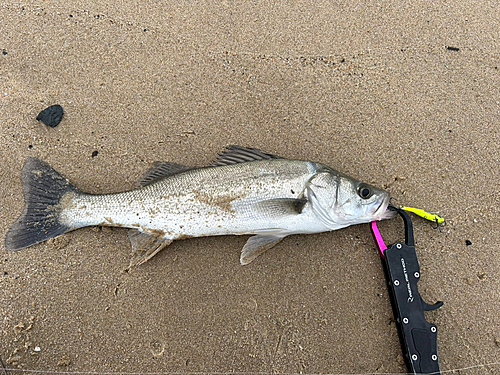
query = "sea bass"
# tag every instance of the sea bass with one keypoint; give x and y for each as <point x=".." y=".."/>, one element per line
<point x="244" y="192"/>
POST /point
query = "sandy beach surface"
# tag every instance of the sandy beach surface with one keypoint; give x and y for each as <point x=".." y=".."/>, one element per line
<point x="403" y="96"/>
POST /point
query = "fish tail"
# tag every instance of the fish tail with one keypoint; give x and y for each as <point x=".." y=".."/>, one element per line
<point x="44" y="192"/>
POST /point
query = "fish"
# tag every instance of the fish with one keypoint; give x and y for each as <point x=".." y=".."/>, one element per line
<point x="245" y="191"/>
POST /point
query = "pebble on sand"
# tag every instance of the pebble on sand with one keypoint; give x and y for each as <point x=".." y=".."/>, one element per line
<point x="51" y="116"/>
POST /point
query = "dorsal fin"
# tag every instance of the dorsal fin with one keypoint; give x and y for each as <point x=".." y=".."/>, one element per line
<point x="238" y="154"/>
<point x="161" y="169"/>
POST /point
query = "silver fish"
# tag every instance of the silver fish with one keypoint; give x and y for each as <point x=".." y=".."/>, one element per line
<point x="245" y="191"/>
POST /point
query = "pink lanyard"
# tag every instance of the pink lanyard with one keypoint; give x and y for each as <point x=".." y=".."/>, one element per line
<point x="378" y="239"/>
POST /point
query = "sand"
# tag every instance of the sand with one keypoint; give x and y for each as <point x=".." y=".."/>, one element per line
<point x="404" y="96"/>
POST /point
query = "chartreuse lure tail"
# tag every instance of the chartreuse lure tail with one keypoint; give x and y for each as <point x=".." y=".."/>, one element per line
<point x="426" y="215"/>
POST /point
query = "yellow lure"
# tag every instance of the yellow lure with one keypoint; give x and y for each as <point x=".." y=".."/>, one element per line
<point x="426" y="215"/>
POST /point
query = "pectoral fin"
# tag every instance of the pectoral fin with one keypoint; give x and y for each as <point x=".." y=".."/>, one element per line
<point x="279" y="207"/>
<point x="257" y="245"/>
<point x="145" y="246"/>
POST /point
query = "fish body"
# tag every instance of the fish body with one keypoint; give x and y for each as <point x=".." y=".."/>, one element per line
<point x="244" y="192"/>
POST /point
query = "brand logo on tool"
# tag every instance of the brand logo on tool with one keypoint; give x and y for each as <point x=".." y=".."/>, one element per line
<point x="407" y="279"/>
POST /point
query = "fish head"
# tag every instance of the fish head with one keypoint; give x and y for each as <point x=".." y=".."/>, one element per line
<point x="340" y="200"/>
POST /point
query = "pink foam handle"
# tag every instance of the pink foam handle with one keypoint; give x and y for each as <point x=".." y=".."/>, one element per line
<point x="378" y="238"/>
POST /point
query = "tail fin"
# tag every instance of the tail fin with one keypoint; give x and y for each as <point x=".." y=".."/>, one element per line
<point x="43" y="189"/>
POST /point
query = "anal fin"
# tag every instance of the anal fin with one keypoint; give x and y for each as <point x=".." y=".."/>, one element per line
<point x="145" y="246"/>
<point x="257" y="245"/>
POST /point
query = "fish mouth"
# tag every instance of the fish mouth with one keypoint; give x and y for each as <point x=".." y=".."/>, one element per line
<point x="382" y="213"/>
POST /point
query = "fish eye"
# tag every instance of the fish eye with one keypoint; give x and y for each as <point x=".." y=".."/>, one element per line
<point x="364" y="191"/>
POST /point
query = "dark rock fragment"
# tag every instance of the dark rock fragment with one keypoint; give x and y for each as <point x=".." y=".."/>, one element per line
<point x="51" y="116"/>
<point x="468" y="243"/>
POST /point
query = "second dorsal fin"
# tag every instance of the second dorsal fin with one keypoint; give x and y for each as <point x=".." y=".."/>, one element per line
<point x="161" y="169"/>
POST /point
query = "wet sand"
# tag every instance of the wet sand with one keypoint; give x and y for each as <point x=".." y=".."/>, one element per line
<point x="402" y="96"/>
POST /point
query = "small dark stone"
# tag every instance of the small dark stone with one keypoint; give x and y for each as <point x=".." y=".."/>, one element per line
<point x="51" y="116"/>
<point x="456" y="49"/>
<point x="94" y="154"/>
<point x="468" y="243"/>
<point x="30" y="147"/>
<point x="497" y="341"/>
<point x="4" y="52"/>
